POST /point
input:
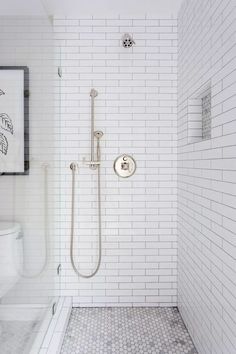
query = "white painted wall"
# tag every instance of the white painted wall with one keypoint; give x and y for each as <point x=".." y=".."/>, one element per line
<point x="80" y="8"/>
<point x="207" y="177"/>
<point x="22" y="8"/>
<point x="105" y="8"/>
<point x="136" y="109"/>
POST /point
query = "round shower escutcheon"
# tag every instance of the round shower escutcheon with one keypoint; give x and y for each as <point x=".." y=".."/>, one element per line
<point x="124" y="166"/>
<point x="98" y="134"/>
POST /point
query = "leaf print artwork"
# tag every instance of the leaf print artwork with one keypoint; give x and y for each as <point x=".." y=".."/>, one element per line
<point x="14" y="120"/>
<point x="6" y="123"/>
<point x="3" y="144"/>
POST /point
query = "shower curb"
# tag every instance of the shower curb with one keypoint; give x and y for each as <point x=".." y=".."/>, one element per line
<point x="55" y="334"/>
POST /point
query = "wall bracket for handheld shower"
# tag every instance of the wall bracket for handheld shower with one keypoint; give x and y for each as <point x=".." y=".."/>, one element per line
<point x="98" y="134"/>
<point x="93" y="93"/>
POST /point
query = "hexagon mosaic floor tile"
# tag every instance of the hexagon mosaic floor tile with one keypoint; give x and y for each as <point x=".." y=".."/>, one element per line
<point x="127" y="331"/>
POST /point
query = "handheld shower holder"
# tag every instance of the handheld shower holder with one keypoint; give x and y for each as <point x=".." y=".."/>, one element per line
<point x="92" y="164"/>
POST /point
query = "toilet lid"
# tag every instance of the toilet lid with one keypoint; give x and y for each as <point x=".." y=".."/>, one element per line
<point x="8" y="227"/>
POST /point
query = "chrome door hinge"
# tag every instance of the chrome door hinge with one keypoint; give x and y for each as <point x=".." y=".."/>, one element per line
<point x="59" y="269"/>
<point x="59" y="71"/>
<point x="54" y="308"/>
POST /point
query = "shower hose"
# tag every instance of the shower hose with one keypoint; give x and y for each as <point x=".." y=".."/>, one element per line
<point x="74" y="167"/>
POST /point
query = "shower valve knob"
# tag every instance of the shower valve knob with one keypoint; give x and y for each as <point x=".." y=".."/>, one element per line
<point x="124" y="166"/>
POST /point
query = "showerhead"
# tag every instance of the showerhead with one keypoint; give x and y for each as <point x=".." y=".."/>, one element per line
<point x="98" y="134"/>
<point x="93" y="93"/>
<point x="127" y="41"/>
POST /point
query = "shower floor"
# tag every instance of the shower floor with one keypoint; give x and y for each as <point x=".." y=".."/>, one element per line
<point x="127" y="330"/>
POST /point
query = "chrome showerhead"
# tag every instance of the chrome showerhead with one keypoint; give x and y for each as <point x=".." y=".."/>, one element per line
<point x="127" y="41"/>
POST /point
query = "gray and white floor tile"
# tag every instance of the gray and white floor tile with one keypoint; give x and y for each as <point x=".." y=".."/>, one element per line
<point x="127" y="331"/>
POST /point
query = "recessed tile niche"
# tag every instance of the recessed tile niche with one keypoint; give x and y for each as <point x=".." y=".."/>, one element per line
<point x="199" y="116"/>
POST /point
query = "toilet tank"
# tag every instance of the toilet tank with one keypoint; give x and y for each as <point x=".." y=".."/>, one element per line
<point x="11" y="255"/>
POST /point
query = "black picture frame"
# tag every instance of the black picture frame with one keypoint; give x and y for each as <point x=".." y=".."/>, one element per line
<point x="26" y="121"/>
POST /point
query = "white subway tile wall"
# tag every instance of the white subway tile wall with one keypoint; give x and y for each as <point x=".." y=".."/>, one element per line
<point x="136" y="109"/>
<point x="207" y="177"/>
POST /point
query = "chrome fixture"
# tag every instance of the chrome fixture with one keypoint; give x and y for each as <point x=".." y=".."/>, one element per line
<point x="98" y="134"/>
<point x="93" y="94"/>
<point x="59" y="269"/>
<point x="54" y="308"/>
<point x="94" y="164"/>
<point x="127" y="41"/>
<point x="124" y="166"/>
<point x="59" y="71"/>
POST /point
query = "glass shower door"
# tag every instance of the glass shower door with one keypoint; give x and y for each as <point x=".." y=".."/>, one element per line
<point x="27" y="212"/>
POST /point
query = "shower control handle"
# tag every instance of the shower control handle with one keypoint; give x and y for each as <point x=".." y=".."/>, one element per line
<point x="124" y="166"/>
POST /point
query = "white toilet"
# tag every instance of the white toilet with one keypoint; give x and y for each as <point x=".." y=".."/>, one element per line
<point x="11" y="255"/>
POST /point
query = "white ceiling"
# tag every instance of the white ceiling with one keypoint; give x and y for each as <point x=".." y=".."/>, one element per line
<point x="157" y="8"/>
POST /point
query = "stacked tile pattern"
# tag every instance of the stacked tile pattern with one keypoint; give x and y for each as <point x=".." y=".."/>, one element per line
<point x="207" y="177"/>
<point x="136" y="110"/>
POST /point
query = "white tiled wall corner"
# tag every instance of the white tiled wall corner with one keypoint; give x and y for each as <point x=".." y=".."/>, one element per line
<point x="136" y="110"/>
<point x="207" y="177"/>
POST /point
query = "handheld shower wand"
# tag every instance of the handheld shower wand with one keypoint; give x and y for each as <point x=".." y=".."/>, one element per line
<point x="94" y="164"/>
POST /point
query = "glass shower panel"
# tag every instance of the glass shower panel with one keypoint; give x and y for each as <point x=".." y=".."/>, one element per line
<point x="27" y="213"/>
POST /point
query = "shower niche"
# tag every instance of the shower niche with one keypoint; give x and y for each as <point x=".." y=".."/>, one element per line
<point x="199" y="115"/>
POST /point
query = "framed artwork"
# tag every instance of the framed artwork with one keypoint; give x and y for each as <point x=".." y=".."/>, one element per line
<point x="14" y="120"/>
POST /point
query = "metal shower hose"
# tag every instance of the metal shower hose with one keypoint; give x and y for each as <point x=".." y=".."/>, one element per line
<point x="77" y="271"/>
